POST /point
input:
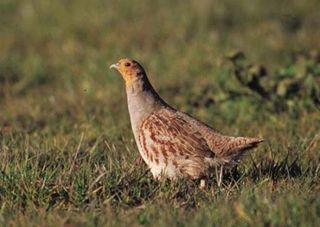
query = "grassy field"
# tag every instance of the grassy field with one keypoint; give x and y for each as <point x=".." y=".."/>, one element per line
<point x="249" y="68"/>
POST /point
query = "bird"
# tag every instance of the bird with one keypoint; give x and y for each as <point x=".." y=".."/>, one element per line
<point x="172" y="143"/>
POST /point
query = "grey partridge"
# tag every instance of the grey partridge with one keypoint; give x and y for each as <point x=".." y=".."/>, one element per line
<point x="172" y="143"/>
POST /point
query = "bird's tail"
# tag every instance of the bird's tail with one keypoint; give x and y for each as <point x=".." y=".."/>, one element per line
<point x="237" y="146"/>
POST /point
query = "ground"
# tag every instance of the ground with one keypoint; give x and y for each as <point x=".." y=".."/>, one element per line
<point x="247" y="68"/>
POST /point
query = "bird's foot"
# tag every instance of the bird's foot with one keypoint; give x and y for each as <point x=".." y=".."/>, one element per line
<point x="202" y="184"/>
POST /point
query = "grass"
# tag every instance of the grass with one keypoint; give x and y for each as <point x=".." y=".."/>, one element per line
<point x="67" y="151"/>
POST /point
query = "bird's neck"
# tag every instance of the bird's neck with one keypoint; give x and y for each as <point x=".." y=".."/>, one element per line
<point x="142" y="100"/>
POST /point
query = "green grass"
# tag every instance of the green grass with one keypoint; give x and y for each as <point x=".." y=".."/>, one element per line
<point x="67" y="152"/>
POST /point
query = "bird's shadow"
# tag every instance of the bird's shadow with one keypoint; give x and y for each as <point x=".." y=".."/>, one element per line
<point x="272" y="169"/>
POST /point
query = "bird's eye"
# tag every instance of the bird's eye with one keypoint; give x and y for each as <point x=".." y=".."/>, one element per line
<point x="127" y="64"/>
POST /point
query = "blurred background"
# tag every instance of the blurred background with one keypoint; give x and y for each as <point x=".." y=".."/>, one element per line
<point x="56" y="52"/>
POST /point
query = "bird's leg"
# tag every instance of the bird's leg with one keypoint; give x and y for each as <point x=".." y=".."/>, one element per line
<point x="217" y="177"/>
<point x="220" y="176"/>
<point x="202" y="184"/>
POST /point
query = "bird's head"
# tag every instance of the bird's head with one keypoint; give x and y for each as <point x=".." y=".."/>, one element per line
<point x="129" y="69"/>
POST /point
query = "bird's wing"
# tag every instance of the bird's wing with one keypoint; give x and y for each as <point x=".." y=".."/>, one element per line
<point x="166" y="137"/>
<point x="226" y="148"/>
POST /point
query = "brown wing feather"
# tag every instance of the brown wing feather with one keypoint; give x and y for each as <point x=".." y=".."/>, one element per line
<point x="227" y="148"/>
<point x="166" y="137"/>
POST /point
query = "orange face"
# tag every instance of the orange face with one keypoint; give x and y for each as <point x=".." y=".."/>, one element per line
<point x="129" y="69"/>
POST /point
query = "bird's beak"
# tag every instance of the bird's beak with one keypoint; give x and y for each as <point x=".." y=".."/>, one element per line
<point x="116" y="66"/>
